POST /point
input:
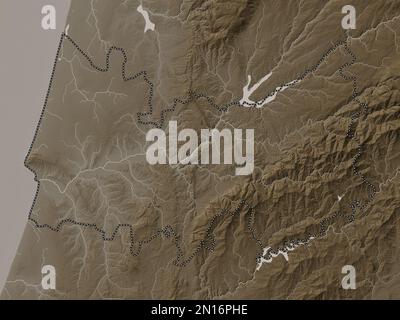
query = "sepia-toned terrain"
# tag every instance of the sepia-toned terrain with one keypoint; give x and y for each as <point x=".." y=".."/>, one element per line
<point x="325" y="190"/>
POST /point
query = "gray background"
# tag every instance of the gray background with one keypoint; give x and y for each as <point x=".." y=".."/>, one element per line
<point x="26" y="60"/>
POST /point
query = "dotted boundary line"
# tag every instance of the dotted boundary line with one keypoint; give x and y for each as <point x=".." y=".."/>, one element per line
<point x="191" y="95"/>
<point x="209" y="241"/>
<point x="354" y="205"/>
